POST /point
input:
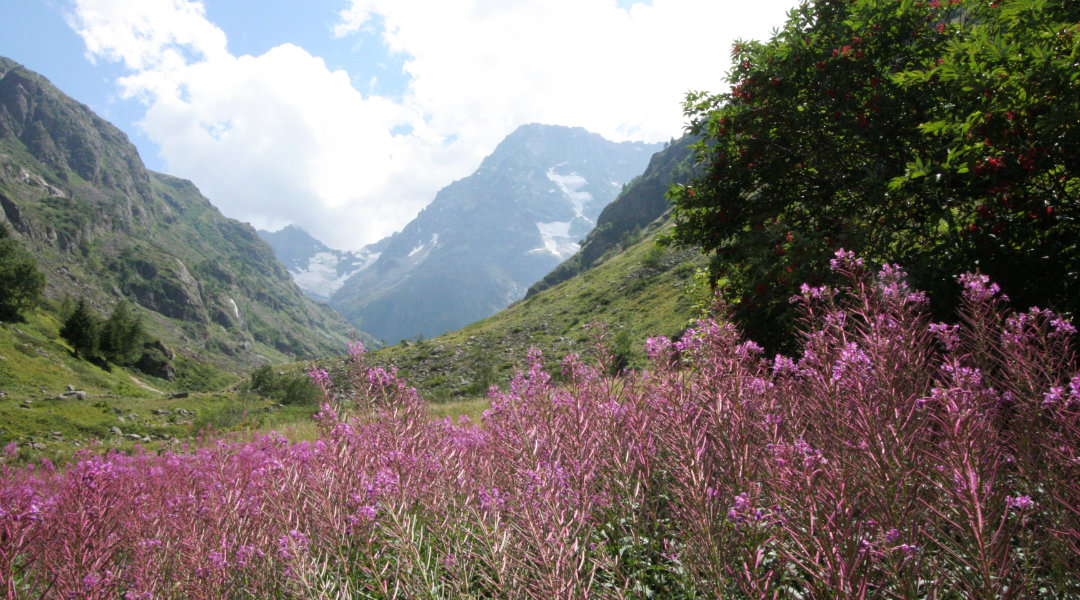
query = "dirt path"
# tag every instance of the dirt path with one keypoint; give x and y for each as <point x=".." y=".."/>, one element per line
<point x="143" y="385"/>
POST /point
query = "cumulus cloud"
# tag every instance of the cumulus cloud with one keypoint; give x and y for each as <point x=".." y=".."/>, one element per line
<point x="621" y="73"/>
<point x="281" y="138"/>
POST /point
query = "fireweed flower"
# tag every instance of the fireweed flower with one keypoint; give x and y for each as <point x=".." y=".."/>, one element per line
<point x="979" y="288"/>
<point x="813" y="293"/>
<point x="657" y="347"/>
<point x="1053" y="397"/>
<point x="784" y="367"/>
<point x="948" y="335"/>
<point x="293" y="544"/>
<point x="845" y="261"/>
<point x="853" y="364"/>
<point x="356" y="348"/>
<point x="491" y="499"/>
<point x="1062" y="327"/>
<point x="907" y="549"/>
<point x="748" y="349"/>
<point x="891" y="283"/>
<point x="1019" y="502"/>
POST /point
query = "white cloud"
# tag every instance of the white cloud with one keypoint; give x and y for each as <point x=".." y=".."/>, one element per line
<point x="147" y="34"/>
<point x="620" y="73"/>
<point x="281" y="138"/>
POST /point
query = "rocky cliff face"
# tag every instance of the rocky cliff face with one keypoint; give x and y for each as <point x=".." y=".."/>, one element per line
<point x="486" y="238"/>
<point x="103" y="226"/>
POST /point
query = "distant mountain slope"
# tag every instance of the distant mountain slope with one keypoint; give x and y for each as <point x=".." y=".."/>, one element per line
<point x="316" y="268"/>
<point x="484" y="239"/>
<point x="638" y="291"/>
<point x="620" y="278"/>
<point x="102" y="226"/>
<point x="643" y="201"/>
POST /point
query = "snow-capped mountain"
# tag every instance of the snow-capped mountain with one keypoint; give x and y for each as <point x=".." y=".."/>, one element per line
<point x="317" y="269"/>
<point x="486" y="238"/>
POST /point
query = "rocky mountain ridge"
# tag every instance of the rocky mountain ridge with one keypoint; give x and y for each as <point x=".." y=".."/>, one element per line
<point x="486" y="238"/>
<point x="74" y="190"/>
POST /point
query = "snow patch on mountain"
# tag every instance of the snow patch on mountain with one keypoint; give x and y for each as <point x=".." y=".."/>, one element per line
<point x="428" y="246"/>
<point x="556" y="239"/>
<point x="570" y="185"/>
<point x="555" y="235"/>
<point x="326" y="272"/>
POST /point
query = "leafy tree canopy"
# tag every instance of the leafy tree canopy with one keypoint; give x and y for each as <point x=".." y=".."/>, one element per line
<point x="944" y="135"/>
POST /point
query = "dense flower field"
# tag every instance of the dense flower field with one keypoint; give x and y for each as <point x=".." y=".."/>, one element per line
<point x="895" y="458"/>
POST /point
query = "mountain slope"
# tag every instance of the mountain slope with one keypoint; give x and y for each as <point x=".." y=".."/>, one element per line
<point x="484" y="239"/>
<point x="103" y="227"/>
<point x="643" y="201"/>
<point x="637" y="292"/>
<point x="634" y="286"/>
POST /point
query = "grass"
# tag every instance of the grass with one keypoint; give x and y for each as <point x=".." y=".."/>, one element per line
<point x="637" y="292"/>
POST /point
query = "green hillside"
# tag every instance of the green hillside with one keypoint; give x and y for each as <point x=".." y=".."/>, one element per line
<point x="637" y="290"/>
<point x="102" y="227"/>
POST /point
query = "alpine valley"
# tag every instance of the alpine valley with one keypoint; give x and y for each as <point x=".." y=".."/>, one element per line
<point x="233" y="317"/>
<point x="480" y="244"/>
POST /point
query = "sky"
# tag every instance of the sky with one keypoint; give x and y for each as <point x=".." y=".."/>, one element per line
<point x="345" y="117"/>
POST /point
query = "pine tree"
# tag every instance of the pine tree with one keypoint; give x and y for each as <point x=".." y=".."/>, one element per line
<point x="21" y="283"/>
<point x="121" y="334"/>
<point x="81" y="330"/>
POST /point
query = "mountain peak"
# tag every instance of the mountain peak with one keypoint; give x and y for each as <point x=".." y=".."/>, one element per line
<point x="486" y="238"/>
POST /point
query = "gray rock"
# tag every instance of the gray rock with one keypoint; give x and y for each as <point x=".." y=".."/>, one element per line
<point x="115" y="430"/>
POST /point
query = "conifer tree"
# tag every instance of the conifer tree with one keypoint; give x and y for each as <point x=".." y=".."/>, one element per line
<point x="121" y="334"/>
<point x="21" y="282"/>
<point x="81" y="330"/>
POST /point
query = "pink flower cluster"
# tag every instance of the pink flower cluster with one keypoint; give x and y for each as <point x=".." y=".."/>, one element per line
<point x="894" y="454"/>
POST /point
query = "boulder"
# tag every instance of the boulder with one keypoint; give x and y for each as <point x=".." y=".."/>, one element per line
<point x="156" y="361"/>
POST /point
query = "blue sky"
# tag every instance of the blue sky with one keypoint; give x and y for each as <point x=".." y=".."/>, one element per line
<point x="347" y="116"/>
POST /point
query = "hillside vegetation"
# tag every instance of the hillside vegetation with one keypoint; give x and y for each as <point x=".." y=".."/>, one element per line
<point x="102" y="227"/>
<point x="638" y="290"/>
